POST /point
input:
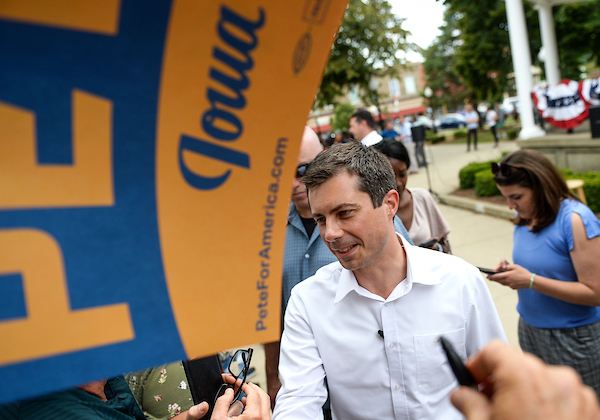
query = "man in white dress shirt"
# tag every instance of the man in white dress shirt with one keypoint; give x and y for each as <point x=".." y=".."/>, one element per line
<point x="362" y="127"/>
<point x="370" y="323"/>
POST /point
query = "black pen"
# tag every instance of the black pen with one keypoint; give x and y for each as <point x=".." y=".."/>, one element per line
<point x="458" y="367"/>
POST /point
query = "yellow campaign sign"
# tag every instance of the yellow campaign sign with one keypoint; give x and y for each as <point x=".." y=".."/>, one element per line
<point x="146" y="159"/>
<point x="238" y="138"/>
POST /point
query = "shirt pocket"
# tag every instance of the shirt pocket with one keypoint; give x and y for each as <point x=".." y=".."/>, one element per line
<point x="433" y="370"/>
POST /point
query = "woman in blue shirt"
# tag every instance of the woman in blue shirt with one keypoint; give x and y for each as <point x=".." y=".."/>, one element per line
<point x="556" y="266"/>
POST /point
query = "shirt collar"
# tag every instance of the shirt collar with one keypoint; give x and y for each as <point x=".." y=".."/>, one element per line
<point x="418" y="271"/>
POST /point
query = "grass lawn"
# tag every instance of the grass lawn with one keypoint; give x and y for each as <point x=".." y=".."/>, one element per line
<point x="459" y="136"/>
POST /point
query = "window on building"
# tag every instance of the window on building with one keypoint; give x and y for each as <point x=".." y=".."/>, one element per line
<point x="409" y="85"/>
<point x="394" y="88"/>
<point x="353" y="96"/>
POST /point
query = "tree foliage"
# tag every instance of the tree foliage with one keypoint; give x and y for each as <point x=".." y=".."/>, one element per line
<point x="482" y="60"/>
<point x="474" y="48"/>
<point x="439" y="67"/>
<point x="366" y="45"/>
<point x="578" y="35"/>
<point x="341" y="117"/>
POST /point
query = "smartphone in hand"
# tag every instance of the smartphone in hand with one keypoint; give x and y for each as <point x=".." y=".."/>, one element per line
<point x="204" y="377"/>
<point x="429" y="243"/>
<point x="488" y="270"/>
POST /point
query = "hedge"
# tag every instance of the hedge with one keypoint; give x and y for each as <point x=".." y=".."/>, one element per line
<point x="484" y="184"/>
<point x="478" y="175"/>
<point x="591" y="186"/>
<point x="460" y="133"/>
<point x="467" y="173"/>
<point x="438" y="139"/>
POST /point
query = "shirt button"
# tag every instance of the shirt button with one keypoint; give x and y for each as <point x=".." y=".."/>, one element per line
<point x="392" y="345"/>
<point x="397" y="388"/>
<point x="306" y="256"/>
<point x="385" y="304"/>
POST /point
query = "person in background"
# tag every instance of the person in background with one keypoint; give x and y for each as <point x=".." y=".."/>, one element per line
<point x="521" y="387"/>
<point x="343" y="137"/>
<point x="472" y="120"/>
<point x="112" y="399"/>
<point x="389" y="131"/>
<point x="162" y="392"/>
<point x="419" y="140"/>
<point x="501" y="119"/>
<point x="417" y="209"/>
<point x="491" y="119"/>
<point x="556" y="256"/>
<point x="304" y="252"/>
<point x="409" y="144"/>
<point x="370" y="323"/>
<point x="362" y="128"/>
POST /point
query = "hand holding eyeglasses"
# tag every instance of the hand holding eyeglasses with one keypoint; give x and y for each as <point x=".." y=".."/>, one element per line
<point x="256" y="405"/>
<point x="229" y="401"/>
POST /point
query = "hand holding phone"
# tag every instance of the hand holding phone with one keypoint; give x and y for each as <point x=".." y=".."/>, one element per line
<point x="488" y="270"/>
<point x="205" y="378"/>
<point x="429" y="243"/>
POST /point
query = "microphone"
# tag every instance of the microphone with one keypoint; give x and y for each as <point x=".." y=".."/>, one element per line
<point x="380" y="332"/>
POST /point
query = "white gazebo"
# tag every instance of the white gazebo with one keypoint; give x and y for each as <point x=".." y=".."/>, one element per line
<point x="521" y="57"/>
<point x="578" y="152"/>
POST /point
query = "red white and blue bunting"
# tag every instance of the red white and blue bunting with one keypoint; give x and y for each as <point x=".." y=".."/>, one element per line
<point x="566" y="105"/>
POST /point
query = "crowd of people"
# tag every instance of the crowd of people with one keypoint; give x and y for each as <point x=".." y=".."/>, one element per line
<point x="369" y="284"/>
<point x="493" y="116"/>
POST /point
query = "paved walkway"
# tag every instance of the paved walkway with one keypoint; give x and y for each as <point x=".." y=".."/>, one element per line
<point x="477" y="236"/>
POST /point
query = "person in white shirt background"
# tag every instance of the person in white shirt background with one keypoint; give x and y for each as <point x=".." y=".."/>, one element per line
<point x="362" y="128"/>
<point x="491" y="119"/>
<point x="370" y="323"/>
<point x="472" y="120"/>
<point x="406" y="139"/>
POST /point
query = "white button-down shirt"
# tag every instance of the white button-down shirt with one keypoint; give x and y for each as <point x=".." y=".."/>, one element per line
<point x="331" y="330"/>
<point x="372" y="138"/>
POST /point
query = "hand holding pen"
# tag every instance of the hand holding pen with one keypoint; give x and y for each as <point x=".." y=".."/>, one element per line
<point x="522" y="387"/>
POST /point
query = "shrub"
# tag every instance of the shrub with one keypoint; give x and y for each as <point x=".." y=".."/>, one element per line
<point x="484" y="184"/>
<point x="591" y="186"/>
<point x="566" y="173"/>
<point x="437" y="139"/>
<point x="467" y="173"/>
<point x="512" y="134"/>
<point x="460" y="133"/>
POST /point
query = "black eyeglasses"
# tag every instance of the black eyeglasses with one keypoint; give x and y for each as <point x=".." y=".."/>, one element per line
<point x="301" y="169"/>
<point x="504" y="168"/>
<point x="239" y="365"/>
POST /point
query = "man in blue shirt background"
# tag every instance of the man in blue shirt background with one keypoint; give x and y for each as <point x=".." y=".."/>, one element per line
<point x="304" y="253"/>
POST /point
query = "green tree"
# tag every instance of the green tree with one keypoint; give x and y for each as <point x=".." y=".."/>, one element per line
<point x="341" y="117"/>
<point x="439" y="67"/>
<point x="366" y="45"/>
<point x="578" y="35"/>
<point x="480" y="60"/>
<point x="476" y="36"/>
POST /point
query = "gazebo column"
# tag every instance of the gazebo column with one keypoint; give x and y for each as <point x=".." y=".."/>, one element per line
<point x="519" y="45"/>
<point x="550" y="53"/>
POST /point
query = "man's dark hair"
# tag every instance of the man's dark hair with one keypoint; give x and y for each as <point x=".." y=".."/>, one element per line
<point x="394" y="149"/>
<point x="374" y="171"/>
<point x="364" y="115"/>
<point x="531" y="169"/>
